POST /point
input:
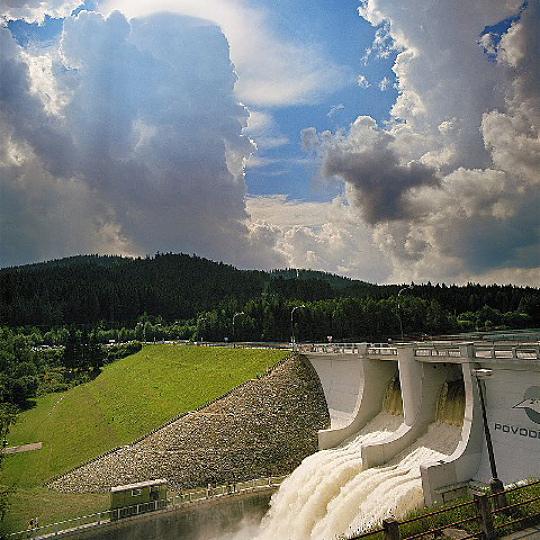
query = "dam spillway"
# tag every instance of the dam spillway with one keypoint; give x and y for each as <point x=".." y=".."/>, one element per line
<point x="406" y="430"/>
<point x="333" y="492"/>
<point x="426" y="371"/>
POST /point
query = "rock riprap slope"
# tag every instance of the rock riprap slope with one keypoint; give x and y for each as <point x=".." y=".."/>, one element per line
<point x="265" y="427"/>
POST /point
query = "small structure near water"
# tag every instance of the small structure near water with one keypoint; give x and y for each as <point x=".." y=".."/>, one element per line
<point x="138" y="498"/>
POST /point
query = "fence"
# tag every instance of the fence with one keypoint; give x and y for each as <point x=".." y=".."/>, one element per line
<point x="174" y="502"/>
<point x="486" y="517"/>
<point x="495" y="351"/>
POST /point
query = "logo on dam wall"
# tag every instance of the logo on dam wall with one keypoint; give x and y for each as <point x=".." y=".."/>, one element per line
<point x="531" y="404"/>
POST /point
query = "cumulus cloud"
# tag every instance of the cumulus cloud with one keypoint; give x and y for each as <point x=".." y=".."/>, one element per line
<point x="322" y="236"/>
<point x="273" y="69"/>
<point x="142" y="152"/>
<point x="336" y="109"/>
<point x="451" y="185"/>
<point x="36" y="10"/>
<point x="384" y="84"/>
<point x="363" y="82"/>
<point x="378" y="179"/>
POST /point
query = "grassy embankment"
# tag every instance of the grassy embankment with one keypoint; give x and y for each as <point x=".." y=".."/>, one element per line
<point x="128" y="399"/>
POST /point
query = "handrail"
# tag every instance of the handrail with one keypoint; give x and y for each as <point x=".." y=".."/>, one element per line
<point x="521" y="351"/>
<point x="484" y="517"/>
<point x="515" y="505"/>
<point x="517" y="520"/>
<point x="438" y="529"/>
<point x="517" y="488"/>
<point x="262" y="484"/>
<point x="177" y="501"/>
<point x="424" y="516"/>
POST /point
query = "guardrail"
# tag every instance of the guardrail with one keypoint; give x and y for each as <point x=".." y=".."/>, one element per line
<point x="523" y="352"/>
<point x="485" y="517"/>
<point x="173" y="502"/>
<point x="327" y="348"/>
<point x="527" y="352"/>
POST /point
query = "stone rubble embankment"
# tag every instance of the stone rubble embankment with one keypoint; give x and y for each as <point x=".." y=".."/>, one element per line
<point x="265" y="427"/>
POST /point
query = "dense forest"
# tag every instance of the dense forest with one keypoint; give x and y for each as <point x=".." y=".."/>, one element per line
<point x="180" y="296"/>
<point x="61" y="321"/>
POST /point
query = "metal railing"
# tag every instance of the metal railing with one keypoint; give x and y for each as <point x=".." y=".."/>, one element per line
<point x="522" y="352"/>
<point x="486" y="517"/>
<point x="520" y="512"/>
<point x="327" y="348"/>
<point x="496" y="351"/>
<point x="175" y="501"/>
<point x="489" y="516"/>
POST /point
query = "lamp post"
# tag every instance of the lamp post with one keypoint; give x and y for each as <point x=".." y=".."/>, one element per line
<point x="201" y="318"/>
<point x="293" y="340"/>
<point x="398" y="315"/>
<point x="157" y="324"/>
<point x="496" y="485"/>
<point x="233" y="320"/>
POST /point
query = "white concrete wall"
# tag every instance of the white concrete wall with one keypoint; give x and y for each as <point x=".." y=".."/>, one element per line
<point x="515" y="434"/>
<point x="342" y="380"/>
<point x="462" y="465"/>
<point x="421" y="385"/>
<point x="354" y="388"/>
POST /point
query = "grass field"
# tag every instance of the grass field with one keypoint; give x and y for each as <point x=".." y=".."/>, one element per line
<point x="128" y="399"/>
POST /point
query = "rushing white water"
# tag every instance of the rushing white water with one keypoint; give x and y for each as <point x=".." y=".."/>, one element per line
<point x="330" y="494"/>
<point x="380" y="492"/>
<point x="302" y="499"/>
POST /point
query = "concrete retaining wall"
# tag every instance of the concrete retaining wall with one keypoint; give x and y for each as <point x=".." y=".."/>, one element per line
<point x="421" y="386"/>
<point x="513" y="407"/>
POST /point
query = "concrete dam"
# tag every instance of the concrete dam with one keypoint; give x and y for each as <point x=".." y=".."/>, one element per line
<point x="355" y="379"/>
<point x="407" y="430"/>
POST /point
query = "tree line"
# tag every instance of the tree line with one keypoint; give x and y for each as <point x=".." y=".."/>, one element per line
<point x="28" y="368"/>
<point x="186" y="291"/>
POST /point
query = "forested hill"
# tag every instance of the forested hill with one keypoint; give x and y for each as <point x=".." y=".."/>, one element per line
<point x="88" y="289"/>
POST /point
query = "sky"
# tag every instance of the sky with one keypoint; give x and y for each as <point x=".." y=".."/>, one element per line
<point x="383" y="140"/>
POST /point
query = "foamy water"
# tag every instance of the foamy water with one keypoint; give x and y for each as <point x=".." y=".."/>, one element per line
<point x="304" y="496"/>
<point x="330" y="494"/>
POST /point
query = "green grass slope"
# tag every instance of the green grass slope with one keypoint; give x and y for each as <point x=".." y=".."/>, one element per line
<point x="127" y="400"/>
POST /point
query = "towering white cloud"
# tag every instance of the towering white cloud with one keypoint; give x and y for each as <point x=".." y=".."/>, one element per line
<point x="142" y="152"/>
<point x="452" y="184"/>
<point x="322" y="236"/>
<point x="274" y="70"/>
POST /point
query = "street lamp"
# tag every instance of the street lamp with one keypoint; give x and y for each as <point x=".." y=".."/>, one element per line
<point x="496" y="485"/>
<point x="201" y="318"/>
<point x="233" y="319"/>
<point x="292" y="321"/>
<point x="398" y="315"/>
